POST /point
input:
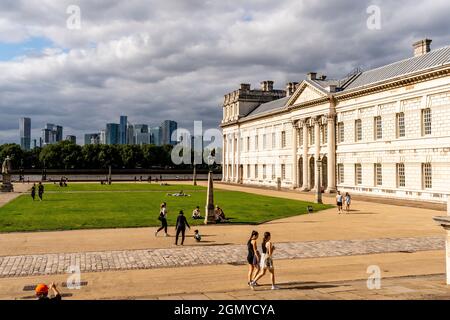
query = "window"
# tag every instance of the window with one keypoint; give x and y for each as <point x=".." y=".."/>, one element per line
<point x="340" y="132"/>
<point x="378" y="174"/>
<point x="264" y="172"/>
<point x="273" y="172"/>
<point x="248" y="143"/>
<point x="256" y="171"/>
<point x="427" y="176"/>
<point x="283" y="139"/>
<point x="264" y="141"/>
<point x="426" y="122"/>
<point x="256" y="143"/>
<point x="378" y="126"/>
<point x="324" y="131"/>
<point x="248" y="171"/>
<point x="283" y="172"/>
<point x="312" y="139"/>
<point x="274" y="140"/>
<point x="358" y="174"/>
<point x="340" y="173"/>
<point x="400" y="125"/>
<point x="358" y="130"/>
<point x="400" y="174"/>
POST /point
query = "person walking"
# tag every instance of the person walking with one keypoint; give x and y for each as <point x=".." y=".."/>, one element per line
<point x="180" y="227"/>
<point x="163" y="218"/>
<point x="266" y="262"/>
<point x="253" y="257"/>
<point x="339" y="200"/>
<point x="40" y="190"/>
<point x="348" y="200"/>
<point x="33" y="191"/>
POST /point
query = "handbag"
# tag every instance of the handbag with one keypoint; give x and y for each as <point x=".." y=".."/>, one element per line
<point x="161" y="216"/>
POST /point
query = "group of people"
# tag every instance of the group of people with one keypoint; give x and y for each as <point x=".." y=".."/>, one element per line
<point x="260" y="262"/>
<point x="40" y="190"/>
<point x="180" y="226"/>
<point x="63" y="182"/>
<point x="340" y="200"/>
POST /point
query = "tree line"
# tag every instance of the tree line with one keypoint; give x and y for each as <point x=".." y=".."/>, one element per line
<point x="67" y="155"/>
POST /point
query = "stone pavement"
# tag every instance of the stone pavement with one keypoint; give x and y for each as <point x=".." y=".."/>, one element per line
<point x="396" y="288"/>
<point x="47" y="264"/>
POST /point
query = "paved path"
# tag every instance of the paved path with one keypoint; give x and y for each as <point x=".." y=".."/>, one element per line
<point x="47" y="264"/>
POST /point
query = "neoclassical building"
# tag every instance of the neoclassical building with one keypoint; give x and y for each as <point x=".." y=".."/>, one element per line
<point x="382" y="132"/>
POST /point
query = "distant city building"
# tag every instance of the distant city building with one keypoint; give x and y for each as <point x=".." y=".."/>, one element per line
<point x="141" y="134"/>
<point x="72" y="139"/>
<point x="130" y="134"/>
<point x="123" y="132"/>
<point x="34" y="144"/>
<point x="103" y="137"/>
<point x="167" y="128"/>
<point x="92" y="138"/>
<point x="51" y="134"/>
<point x="112" y="135"/>
<point x="25" y="133"/>
<point x="155" y="136"/>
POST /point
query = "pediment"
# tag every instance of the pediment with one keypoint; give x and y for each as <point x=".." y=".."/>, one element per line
<point x="306" y="92"/>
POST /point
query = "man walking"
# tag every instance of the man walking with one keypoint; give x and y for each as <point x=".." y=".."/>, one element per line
<point x="181" y="227"/>
<point x="33" y="191"/>
<point x="40" y="190"/>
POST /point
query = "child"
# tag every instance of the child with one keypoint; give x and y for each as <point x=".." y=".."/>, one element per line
<point x="197" y="236"/>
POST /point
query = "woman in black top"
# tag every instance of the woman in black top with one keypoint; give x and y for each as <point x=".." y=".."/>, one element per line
<point x="181" y="227"/>
<point x="33" y="191"/>
<point x="252" y="257"/>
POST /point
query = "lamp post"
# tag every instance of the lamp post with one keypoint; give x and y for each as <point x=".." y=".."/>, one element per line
<point x="319" y="183"/>
<point x="194" y="175"/>
<point x="209" y="209"/>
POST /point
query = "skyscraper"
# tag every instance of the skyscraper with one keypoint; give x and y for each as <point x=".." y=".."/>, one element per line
<point x="112" y="133"/>
<point x="102" y="136"/>
<point x="130" y="134"/>
<point x="51" y="134"/>
<point x="123" y="132"/>
<point x="167" y="128"/>
<point x="25" y="133"/>
<point x="91" y="138"/>
<point x="141" y="134"/>
<point x="155" y="136"/>
<point x="72" y="139"/>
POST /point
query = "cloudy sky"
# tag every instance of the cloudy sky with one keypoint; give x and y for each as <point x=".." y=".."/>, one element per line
<point x="163" y="59"/>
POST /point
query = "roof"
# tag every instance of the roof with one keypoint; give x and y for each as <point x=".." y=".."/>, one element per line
<point x="429" y="60"/>
<point x="269" y="106"/>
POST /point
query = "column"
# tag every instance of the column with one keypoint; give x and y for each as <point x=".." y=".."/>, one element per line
<point x="294" y="155"/>
<point x="317" y="121"/>
<point x="331" y="123"/>
<point x="233" y="158"/>
<point x="305" y="186"/>
<point x="238" y="158"/>
<point x="224" y="158"/>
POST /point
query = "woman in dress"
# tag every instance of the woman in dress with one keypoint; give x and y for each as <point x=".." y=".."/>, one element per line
<point x="253" y="257"/>
<point x="266" y="261"/>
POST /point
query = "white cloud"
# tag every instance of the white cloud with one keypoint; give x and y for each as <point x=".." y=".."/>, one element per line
<point x="155" y="60"/>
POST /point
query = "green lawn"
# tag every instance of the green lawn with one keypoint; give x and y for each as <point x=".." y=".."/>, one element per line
<point x="115" y="208"/>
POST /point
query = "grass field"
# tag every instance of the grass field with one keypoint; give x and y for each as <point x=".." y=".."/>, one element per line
<point x="91" y="206"/>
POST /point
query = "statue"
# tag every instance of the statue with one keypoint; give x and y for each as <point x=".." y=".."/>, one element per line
<point x="6" y="185"/>
<point x="6" y="166"/>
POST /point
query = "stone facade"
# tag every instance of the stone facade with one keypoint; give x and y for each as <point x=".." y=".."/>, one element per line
<point x="389" y="138"/>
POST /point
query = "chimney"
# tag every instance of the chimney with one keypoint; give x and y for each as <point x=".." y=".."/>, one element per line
<point x="269" y="85"/>
<point x="290" y="88"/>
<point x="422" y="47"/>
<point x="332" y="88"/>
<point x="264" y="85"/>
<point x="245" y="86"/>
<point x="312" y="75"/>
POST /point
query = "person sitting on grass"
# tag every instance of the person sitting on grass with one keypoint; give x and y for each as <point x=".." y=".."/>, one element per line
<point x="196" y="213"/>
<point x="197" y="236"/>
<point x="219" y="215"/>
<point x="42" y="292"/>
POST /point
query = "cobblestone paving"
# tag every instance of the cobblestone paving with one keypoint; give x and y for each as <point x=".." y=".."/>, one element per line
<point x="42" y="264"/>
